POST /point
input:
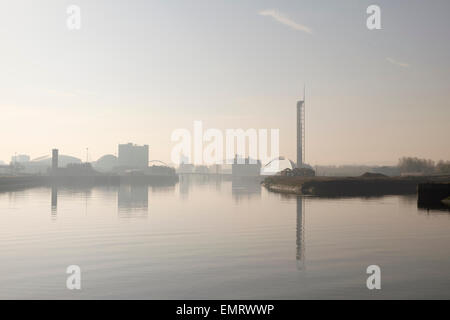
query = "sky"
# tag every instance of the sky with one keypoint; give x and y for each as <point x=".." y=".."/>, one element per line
<point x="138" y="70"/>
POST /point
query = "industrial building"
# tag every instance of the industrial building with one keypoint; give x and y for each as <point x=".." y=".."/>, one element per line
<point x="20" y="158"/>
<point x="246" y="168"/>
<point x="132" y="156"/>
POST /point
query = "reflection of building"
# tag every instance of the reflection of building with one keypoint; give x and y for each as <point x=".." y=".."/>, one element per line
<point x="300" y="233"/>
<point x="184" y="185"/>
<point x="72" y="190"/>
<point x="54" y="200"/>
<point x="245" y="167"/>
<point x="132" y="156"/>
<point x="133" y="200"/>
<point x="244" y="188"/>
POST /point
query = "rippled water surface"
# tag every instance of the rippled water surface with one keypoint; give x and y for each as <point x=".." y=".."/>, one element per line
<point x="209" y="238"/>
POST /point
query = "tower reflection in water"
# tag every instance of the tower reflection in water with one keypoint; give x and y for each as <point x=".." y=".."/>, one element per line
<point x="300" y="205"/>
<point x="54" y="204"/>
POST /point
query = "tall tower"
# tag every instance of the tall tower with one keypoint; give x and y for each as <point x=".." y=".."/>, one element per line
<point x="301" y="131"/>
<point x="54" y="159"/>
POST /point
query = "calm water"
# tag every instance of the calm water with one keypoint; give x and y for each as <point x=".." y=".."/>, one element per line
<point x="213" y="239"/>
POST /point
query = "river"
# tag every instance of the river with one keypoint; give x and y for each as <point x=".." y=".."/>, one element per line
<point x="209" y="238"/>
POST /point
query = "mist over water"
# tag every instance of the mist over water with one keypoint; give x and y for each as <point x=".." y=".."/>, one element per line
<point x="212" y="238"/>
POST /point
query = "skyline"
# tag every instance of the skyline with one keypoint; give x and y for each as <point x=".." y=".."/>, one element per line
<point x="224" y="158"/>
<point x="137" y="73"/>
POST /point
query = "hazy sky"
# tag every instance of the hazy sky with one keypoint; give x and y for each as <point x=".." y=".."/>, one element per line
<point x="137" y="70"/>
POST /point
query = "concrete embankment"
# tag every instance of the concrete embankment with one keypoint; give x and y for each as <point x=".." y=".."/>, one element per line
<point x="348" y="186"/>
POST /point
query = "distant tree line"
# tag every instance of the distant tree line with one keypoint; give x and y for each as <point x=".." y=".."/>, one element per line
<point x="425" y="166"/>
<point x="405" y="165"/>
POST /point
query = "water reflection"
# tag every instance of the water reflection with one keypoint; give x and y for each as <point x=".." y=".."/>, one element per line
<point x="132" y="198"/>
<point x="132" y="201"/>
<point x="300" y="206"/>
<point x="245" y="189"/>
<point x="438" y="207"/>
<point x="72" y="191"/>
<point x="189" y="248"/>
<point x="54" y="201"/>
<point x="184" y="185"/>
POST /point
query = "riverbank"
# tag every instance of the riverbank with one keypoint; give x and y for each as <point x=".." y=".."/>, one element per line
<point x="349" y="186"/>
<point x="433" y="195"/>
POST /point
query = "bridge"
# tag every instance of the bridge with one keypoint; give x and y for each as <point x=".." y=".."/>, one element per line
<point x="158" y="162"/>
<point x="280" y="158"/>
<point x="265" y="169"/>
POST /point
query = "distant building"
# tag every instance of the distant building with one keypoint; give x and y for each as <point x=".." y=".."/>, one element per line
<point x="20" y="158"/>
<point x="105" y="163"/>
<point x="201" y="169"/>
<point x="246" y="168"/>
<point x="184" y="159"/>
<point x="160" y="171"/>
<point x="76" y="170"/>
<point x="42" y="164"/>
<point x="132" y="156"/>
<point x="186" y="168"/>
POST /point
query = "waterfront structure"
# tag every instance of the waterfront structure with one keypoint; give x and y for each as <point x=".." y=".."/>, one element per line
<point x="186" y="168"/>
<point x="246" y="168"/>
<point x="55" y="159"/>
<point x="301" y="132"/>
<point x="77" y="170"/>
<point x="132" y="156"/>
<point x="105" y="163"/>
<point x="20" y="158"/>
